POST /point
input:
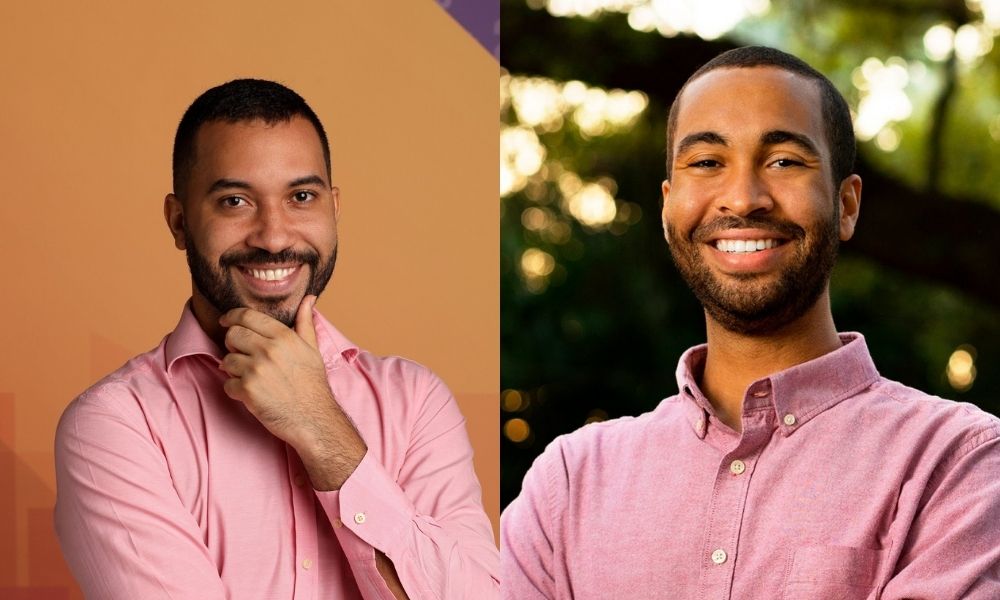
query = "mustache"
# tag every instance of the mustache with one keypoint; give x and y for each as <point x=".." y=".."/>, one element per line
<point x="783" y="228"/>
<point x="259" y="256"/>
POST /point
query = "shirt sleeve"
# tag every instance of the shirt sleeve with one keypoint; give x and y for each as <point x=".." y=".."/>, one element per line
<point x="953" y="549"/>
<point x="530" y="531"/>
<point x="427" y="518"/>
<point x="122" y="528"/>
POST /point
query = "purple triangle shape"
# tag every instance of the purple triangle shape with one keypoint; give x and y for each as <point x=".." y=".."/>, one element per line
<point x="481" y="18"/>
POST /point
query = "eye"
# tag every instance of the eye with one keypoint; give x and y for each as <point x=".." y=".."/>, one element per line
<point x="233" y="201"/>
<point x="784" y="163"/>
<point x="708" y="163"/>
<point x="303" y="196"/>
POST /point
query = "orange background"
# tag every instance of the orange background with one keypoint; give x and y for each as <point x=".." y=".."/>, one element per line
<point x="92" y="93"/>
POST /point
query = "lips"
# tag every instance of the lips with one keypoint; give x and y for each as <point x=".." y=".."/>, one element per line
<point x="745" y="251"/>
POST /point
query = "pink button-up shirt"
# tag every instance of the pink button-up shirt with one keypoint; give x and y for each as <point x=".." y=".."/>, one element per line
<point x="842" y="485"/>
<point x="167" y="488"/>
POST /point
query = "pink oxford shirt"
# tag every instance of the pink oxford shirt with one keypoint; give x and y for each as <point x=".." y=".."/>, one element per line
<point x="842" y="485"/>
<point x="167" y="488"/>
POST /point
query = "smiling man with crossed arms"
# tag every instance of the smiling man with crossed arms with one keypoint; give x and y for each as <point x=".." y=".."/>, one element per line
<point x="786" y="467"/>
<point x="256" y="452"/>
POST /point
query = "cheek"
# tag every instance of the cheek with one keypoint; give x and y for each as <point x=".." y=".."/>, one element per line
<point x="319" y="231"/>
<point x="682" y="211"/>
<point x="213" y="242"/>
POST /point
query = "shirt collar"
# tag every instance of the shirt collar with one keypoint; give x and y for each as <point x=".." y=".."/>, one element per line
<point x="189" y="339"/>
<point x="796" y="394"/>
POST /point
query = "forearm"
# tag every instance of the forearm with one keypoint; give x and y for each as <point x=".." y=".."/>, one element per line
<point x="330" y="449"/>
<point x="388" y="572"/>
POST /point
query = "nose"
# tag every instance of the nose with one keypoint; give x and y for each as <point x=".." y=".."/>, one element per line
<point x="747" y="192"/>
<point x="271" y="229"/>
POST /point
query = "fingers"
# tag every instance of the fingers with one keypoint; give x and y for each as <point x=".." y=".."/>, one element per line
<point x="304" y="322"/>
<point x="247" y="341"/>
<point x="234" y="389"/>
<point x="236" y="365"/>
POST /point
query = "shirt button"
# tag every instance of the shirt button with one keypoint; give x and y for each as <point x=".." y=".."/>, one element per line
<point x="306" y="564"/>
<point x="299" y="480"/>
<point x="789" y="419"/>
<point x="719" y="556"/>
<point x="737" y="467"/>
<point x="359" y="518"/>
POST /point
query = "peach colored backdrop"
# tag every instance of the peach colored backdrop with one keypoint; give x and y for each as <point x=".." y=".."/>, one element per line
<point x="91" y="94"/>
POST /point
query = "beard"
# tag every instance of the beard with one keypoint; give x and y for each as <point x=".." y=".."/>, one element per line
<point x="753" y="305"/>
<point x="216" y="283"/>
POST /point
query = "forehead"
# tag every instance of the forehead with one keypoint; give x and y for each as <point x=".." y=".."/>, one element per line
<point x="256" y="150"/>
<point x="751" y="101"/>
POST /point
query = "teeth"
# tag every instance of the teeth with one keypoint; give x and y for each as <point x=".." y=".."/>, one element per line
<point x="745" y="245"/>
<point x="271" y="274"/>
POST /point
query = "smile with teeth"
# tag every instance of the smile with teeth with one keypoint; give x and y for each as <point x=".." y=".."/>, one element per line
<point x="745" y="246"/>
<point x="271" y="274"/>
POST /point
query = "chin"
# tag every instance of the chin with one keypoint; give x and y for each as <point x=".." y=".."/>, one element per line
<point x="280" y="309"/>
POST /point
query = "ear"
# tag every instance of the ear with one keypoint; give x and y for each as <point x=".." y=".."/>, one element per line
<point x="336" y="202"/>
<point x="663" y="212"/>
<point x="173" y="212"/>
<point x="850" y="205"/>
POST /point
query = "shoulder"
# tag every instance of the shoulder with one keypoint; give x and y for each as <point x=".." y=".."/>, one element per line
<point x="598" y="444"/>
<point x="933" y="433"/>
<point x="115" y="400"/>
<point x="938" y="417"/>
<point x="402" y="375"/>
<point x="396" y="367"/>
<point x="410" y="394"/>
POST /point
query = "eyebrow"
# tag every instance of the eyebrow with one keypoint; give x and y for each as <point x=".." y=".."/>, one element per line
<point x="226" y="184"/>
<point x="778" y="136"/>
<point x="701" y="137"/>
<point x="768" y="138"/>
<point x="308" y="180"/>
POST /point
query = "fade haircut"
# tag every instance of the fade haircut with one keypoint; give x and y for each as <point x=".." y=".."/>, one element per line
<point x="233" y="102"/>
<point x="836" y="114"/>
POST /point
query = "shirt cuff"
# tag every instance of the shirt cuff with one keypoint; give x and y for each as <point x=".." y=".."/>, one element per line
<point x="373" y="507"/>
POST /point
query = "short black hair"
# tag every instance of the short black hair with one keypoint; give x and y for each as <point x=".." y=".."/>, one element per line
<point x="836" y="113"/>
<point x="232" y="102"/>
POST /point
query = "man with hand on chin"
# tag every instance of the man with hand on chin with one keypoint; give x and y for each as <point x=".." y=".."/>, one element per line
<point x="256" y="452"/>
<point x="786" y="467"/>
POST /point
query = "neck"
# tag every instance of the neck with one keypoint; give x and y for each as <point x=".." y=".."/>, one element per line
<point x="735" y="360"/>
<point x="208" y="318"/>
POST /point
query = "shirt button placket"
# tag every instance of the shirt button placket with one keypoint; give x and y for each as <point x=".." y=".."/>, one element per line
<point x="729" y="496"/>
<point x="304" y="514"/>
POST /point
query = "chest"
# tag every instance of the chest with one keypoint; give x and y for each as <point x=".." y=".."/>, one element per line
<point x="777" y="521"/>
